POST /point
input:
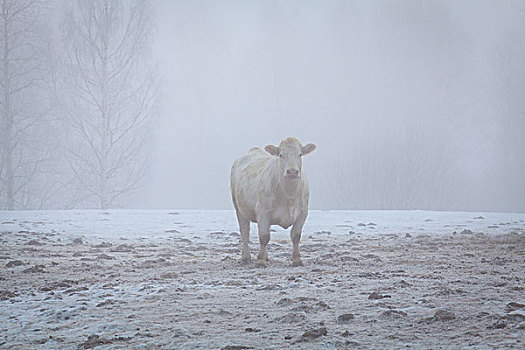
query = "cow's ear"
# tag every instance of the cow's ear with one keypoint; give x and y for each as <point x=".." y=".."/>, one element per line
<point x="309" y="148"/>
<point x="274" y="151"/>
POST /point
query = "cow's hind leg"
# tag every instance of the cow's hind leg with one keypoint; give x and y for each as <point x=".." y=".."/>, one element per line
<point x="244" y="227"/>
<point x="264" y="237"/>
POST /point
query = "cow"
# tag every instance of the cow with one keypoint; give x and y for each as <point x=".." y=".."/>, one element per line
<point x="270" y="188"/>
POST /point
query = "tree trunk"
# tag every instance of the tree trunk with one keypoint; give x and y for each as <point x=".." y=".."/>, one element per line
<point x="104" y="156"/>
<point x="8" y="141"/>
<point x="9" y="170"/>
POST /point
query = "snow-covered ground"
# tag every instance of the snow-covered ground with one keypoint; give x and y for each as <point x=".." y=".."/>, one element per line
<point x="172" y="279"/>
<point x="155" y="224"/>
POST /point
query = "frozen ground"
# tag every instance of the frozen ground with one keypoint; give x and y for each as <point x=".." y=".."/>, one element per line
<point x="171" y="279"/>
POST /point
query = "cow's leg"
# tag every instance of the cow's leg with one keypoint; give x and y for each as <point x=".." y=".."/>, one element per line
<point x="295" y="235"/>
<point x="244" y="227"/>
<point x="263" y="226"/>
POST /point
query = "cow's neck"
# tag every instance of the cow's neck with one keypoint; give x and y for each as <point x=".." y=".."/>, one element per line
<point x="290" y="188"/>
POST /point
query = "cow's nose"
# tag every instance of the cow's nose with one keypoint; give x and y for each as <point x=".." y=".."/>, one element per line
<point x="292" y="172"/>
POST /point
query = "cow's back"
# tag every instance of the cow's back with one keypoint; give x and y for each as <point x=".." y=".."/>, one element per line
<point x="250" y="174"/>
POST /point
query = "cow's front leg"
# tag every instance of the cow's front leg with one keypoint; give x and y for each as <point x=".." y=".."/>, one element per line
<point x="295" y="235"/>
<point x="263" y="226"/>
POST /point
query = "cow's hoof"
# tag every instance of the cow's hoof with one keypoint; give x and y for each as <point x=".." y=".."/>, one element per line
<point x="260" y="263"/>
<point x="297" y="263"/>
<point x="246" y="261"/>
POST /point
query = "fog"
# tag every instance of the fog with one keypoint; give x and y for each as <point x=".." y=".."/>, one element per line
<point x="412" y="104"/>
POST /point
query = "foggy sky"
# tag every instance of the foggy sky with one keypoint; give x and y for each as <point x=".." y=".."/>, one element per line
<point x="412" y="104"/>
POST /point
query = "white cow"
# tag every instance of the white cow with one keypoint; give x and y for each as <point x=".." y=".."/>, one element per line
<point x="271" y="189"/>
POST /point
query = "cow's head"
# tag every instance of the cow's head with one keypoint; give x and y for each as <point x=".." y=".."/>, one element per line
<point x="290" y="152"/>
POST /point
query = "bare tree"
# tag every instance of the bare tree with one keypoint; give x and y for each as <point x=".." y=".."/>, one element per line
<point x="23" y="45"/>
<point x="112" y="101"/>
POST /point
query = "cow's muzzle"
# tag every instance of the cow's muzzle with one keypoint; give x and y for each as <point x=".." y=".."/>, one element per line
<point x="292" y="174"/>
